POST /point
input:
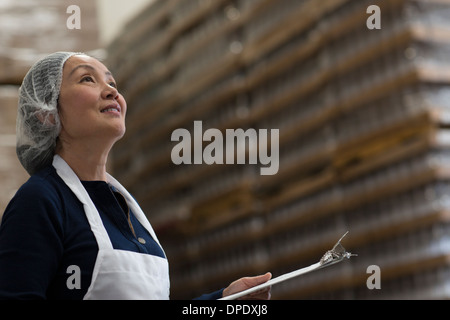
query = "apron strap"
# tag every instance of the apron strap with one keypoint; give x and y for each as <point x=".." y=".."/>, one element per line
<point x="73" y="182"/>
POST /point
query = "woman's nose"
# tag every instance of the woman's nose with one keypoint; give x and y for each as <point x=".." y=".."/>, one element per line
<point x="110" y="92"/>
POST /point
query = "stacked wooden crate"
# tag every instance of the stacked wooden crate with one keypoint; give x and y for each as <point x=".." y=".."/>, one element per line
<point x="363" y="117"/>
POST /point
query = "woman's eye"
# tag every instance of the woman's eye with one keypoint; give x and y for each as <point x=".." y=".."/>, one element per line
<point x="88" y="78"/>
<point x="113" y="84"/>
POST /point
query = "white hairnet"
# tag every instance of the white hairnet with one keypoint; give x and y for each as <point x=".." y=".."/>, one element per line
<point x="38" y="123"/>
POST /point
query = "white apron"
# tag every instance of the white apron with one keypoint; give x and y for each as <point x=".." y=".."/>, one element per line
<point x="118" y="274"/>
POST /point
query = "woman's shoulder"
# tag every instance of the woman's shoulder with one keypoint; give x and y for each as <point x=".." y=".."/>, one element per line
<point x="43" y="197"/>
<point x="44" y="183"/>
<point x="45" y="188"/>
<point x="38" y="202"/>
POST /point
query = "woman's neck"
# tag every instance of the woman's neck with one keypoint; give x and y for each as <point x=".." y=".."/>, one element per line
<point x="89" y="164"/>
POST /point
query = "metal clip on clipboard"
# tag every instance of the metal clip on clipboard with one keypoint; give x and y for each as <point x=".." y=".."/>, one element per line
<point x="333" y="256"/>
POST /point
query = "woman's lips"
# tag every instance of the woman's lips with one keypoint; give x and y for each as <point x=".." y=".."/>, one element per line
<point x="112" y="108"/>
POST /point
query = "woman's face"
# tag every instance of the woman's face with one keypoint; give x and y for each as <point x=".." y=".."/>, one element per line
<point x="90" y="107"/>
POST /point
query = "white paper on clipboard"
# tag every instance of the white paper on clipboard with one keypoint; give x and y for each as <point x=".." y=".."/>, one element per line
<point x="333" y="256"/>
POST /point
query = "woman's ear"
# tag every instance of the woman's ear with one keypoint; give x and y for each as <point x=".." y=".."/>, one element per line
<point x="46" y="118"/>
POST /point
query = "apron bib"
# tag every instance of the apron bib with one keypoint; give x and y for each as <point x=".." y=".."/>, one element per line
<point x="118" y="274"/>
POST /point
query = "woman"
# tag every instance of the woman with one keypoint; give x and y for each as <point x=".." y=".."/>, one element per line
<point x="72" y="231"/>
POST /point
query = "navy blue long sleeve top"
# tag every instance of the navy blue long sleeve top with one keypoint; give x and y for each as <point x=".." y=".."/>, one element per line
<point x="44" y="231"/>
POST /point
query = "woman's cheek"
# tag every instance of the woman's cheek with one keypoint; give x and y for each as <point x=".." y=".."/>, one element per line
<point x="123" y="104"/>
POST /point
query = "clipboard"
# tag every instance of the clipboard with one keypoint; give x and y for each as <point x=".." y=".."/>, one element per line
<point x="331" y="257"/>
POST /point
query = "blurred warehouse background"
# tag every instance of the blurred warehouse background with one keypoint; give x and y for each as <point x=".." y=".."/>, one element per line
<point x="362" y="113"/>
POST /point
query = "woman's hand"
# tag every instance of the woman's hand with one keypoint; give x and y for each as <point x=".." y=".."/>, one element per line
<point x="247" y="283"/>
